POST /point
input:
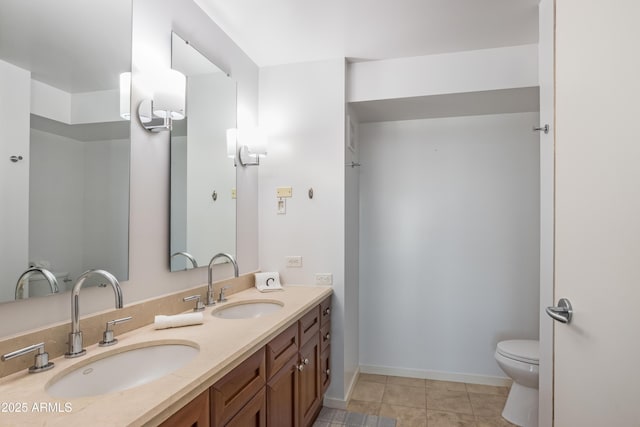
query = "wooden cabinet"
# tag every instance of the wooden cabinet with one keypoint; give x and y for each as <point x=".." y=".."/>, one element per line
<point x="193" y="414"/>
<point x="280" y="385"/>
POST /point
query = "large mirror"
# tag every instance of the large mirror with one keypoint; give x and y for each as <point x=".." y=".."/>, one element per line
<point x="64" y="170"/>
<point x="203" y="177"/>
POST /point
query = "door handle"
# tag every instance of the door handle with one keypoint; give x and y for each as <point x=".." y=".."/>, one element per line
<point x="562" y="312"/>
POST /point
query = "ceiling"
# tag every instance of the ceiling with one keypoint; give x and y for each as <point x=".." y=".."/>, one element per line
<point x="73" y="45"/>
<point x="515" y="100"/>
<point x="288" y="31"/>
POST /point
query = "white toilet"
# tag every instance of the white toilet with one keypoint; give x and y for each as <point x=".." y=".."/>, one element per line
<point x="519" y="360"/>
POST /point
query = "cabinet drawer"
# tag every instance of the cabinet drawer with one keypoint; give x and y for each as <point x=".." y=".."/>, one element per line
<point x="233" y="391"/>
<point x="281" y="349"/>
<point x="325" y="336"/>
<point x="309" y="325"/>
<point x="325" y="310"/>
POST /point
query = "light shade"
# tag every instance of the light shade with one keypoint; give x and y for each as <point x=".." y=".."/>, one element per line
<point x="255" y="140"/>
<point x="258" y="143"/>
<point x="125" y="96"/>
<point x="169" y="98"/>
<point x="232" y="140"/>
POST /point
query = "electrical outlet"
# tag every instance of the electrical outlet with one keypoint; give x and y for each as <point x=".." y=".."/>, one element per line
<point x="324" y="279"/>
<point x="293" y="261"/>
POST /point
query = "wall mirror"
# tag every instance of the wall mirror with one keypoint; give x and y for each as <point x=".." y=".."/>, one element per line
<point x="64" y="170"/>
<point x="203" y="177"/>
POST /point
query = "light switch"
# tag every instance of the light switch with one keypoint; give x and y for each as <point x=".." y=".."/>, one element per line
<point x="293" y="261"/>
<point x="284" y="192"/>
<point x="282" y="207"/>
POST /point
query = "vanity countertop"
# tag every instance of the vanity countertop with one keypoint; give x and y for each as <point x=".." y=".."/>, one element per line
<point x="223" y="344"/>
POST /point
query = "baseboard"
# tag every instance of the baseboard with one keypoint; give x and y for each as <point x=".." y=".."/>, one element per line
<point x="336" y="403"/>
<point x="436" y="375"/>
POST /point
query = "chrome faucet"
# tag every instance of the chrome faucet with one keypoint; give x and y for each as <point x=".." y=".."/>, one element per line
<point x="53" y="282"/>
<point x="188" y="256"/>
<point x="211" y="299"/>
<point x="75" y="336"/>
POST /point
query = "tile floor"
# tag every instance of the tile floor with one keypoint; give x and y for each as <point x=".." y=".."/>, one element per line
<point x="428" y="403"/>
<point x="330" y="417"/>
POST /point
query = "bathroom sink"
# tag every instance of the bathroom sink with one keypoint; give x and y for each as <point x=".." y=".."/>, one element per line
<point x="121" y="370"/>
<point x="247" y="309"/>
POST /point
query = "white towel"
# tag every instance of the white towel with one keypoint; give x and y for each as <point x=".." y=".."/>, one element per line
<point x="267" y="282"/>
<point x="177" y="320"/>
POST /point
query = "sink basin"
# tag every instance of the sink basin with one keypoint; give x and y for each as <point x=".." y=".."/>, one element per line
<point x="121" y="370"/>
<point x="248" y="309"/>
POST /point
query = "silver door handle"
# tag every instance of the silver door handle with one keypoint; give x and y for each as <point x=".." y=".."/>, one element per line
<point x="562" y="312"/>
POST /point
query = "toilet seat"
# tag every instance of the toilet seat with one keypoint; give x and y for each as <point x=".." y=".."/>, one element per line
<point x="526" y="351"/>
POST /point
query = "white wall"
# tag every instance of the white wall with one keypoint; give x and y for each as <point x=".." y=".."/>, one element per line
<point x="56" y="202"/>
<point x="14" y="177"/>
<point x="78" y="204"/>
<point x="471" y="71"/>
<point x="449" y="243"/>
<point x="302" y="109"/>
<point x="106" y="205"/>
<point x="153" y="21"/>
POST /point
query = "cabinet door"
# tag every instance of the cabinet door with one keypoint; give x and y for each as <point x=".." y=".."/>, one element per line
<point x="254" y="414"/>
<point x="282" y="396"/>
<point x="325" y="369"/>
<point x="193" y="414"/>
<point x="230" y="394"/>
<point x="309" y="380"/>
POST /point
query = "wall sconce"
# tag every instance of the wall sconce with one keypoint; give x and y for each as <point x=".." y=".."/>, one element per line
<point x="167" y="103"/>
<point x="252" y="145"/>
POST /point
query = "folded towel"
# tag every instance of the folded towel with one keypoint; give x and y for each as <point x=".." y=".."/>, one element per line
<point x="175" y="321"/>
<point x="266" y="282"/>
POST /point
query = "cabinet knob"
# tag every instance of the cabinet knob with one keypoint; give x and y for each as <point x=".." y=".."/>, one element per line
<point x="328" y="372"/>
<point x="327" y="336"/>
<point x="305" y="361"/>
<point x="301" y="367"/>
<point x="327" y="311"/>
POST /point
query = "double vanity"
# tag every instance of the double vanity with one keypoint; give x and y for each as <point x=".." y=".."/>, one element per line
<point x="258" y="359"/>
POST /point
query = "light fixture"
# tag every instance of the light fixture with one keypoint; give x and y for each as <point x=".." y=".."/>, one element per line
<point x="252" y="143"/>
<point x="166" y="104"/>
<point x="125" y="96"/>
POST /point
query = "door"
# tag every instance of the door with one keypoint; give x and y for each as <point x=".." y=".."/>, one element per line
<point x="597" y="240"/>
